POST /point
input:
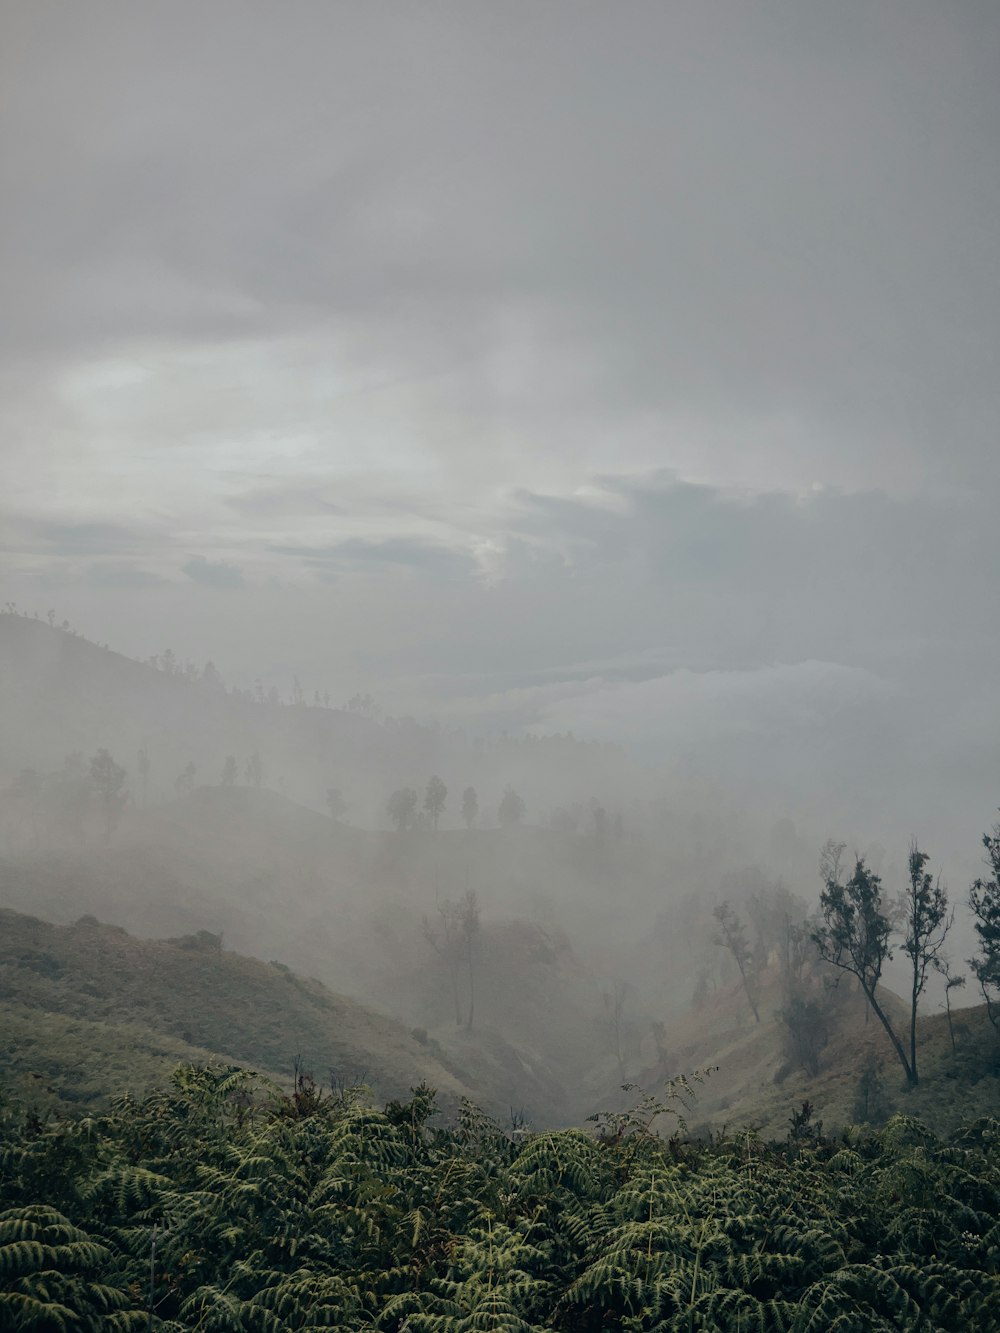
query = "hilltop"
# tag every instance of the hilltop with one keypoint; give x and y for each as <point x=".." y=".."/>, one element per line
<point x="65" y="694"/>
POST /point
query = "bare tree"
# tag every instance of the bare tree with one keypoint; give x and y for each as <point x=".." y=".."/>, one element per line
<point x="732" y="935"/>
<point x="468" y="919"/>
<point x="454" y="937"/>
<point x="614" y="1005"/>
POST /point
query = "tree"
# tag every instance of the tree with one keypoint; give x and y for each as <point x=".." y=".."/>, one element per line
<point x="984" y="900"/>
<point x="107" y="779"/>
<point x="468" y="921"/>
<point x="470" y="807"/>
<point x="336" y="804"/>
<point x="402" y="806"/>
<point x="853" y="935"/>
<point x="184" y="782"/>
<point x="229" y="771"/>
<point x="434" y="799"/>
<point x="925" y="920"/>
<point x="254" y="770"/>
<point x="733" y="936"/>
<point x="952" y="981"/>
<point x="618" y="1026"/>
<point x="455" y="939"/>
<point x="511" y="809"/>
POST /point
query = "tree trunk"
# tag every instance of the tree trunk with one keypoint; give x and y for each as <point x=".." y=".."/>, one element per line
<point x="909" y="1070"/>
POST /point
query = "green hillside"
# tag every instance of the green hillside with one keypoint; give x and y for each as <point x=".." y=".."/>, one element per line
<point x="88" y="1011"/>
<point x="753" y="1082"/>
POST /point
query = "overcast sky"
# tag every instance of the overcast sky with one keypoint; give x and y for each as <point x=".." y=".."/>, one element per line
<point x="624" y="368"/>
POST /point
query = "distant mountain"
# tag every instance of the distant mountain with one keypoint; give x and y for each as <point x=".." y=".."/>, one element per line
<point x="64" y="694"/>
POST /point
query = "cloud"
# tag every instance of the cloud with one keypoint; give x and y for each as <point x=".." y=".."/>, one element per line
<point x="213" y="573"/>
<point x="682" y="229"/>
<point x="112" y="576"/>
<point x="58" y="537"/>
<point x="359" y="555"/>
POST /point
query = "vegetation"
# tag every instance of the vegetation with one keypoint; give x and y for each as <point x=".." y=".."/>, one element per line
<point x="732" y="936"/>
<point x="222" y="1204"/>
<point x="87" y="1011"/>
<point x="984" y="899"/>
<point x="511" y="808"/>
<point x="854" y="936"/>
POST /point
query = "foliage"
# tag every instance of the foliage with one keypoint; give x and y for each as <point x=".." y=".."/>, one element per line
<point x="223" y="1204"/>
<point x="984" y="899"/>
<point x="926" y="921"/>
<point x="107" y="779"/>
<point x="854" y="936"/>
<point x="511" y="808"/>
<point x="470" y="807"/>
<point x="434" y="799"/>
<point x="402" y="808"/>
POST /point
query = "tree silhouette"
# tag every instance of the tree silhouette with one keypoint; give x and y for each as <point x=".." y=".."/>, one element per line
<point x="853" y="936"/>
<point x="184" y="782"/>
<point x="470" y="807"/>
<point x="926" y="921"/>
<point x="107" y="779"/>
<point x="434" y="799"/>
<point x="335" y="804"/>
<point x="511" y="809"/>
<point x="454" y="937"/>
<point x="254" y="770"/>
<point x="733" y="936"/>
<point x="952" y="981"/>
<point x="229" y="771"/>
<point x="984" y="900"/>
<point x="402" y="807"/>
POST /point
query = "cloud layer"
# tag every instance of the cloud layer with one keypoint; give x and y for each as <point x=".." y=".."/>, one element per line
<point x="633" y="371"/>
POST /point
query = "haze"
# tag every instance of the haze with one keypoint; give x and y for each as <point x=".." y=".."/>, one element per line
<point x="628" y="371"/>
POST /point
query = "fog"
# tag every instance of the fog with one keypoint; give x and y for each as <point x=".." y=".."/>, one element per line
<point x="598" y="403"/>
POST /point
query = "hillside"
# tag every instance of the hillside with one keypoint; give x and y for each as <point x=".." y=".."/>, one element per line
<point x="753" y="1083"/>
<point x="89" y="1011"/>
<point x="65" y="694"/>
<point x="348" y="906"/>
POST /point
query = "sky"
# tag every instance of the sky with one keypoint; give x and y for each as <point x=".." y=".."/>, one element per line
<point x="626" y="369"/>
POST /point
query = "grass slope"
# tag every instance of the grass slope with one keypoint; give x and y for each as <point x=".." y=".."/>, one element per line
<point x="88" y="1011"/>
<point x="753" y="1084"/>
